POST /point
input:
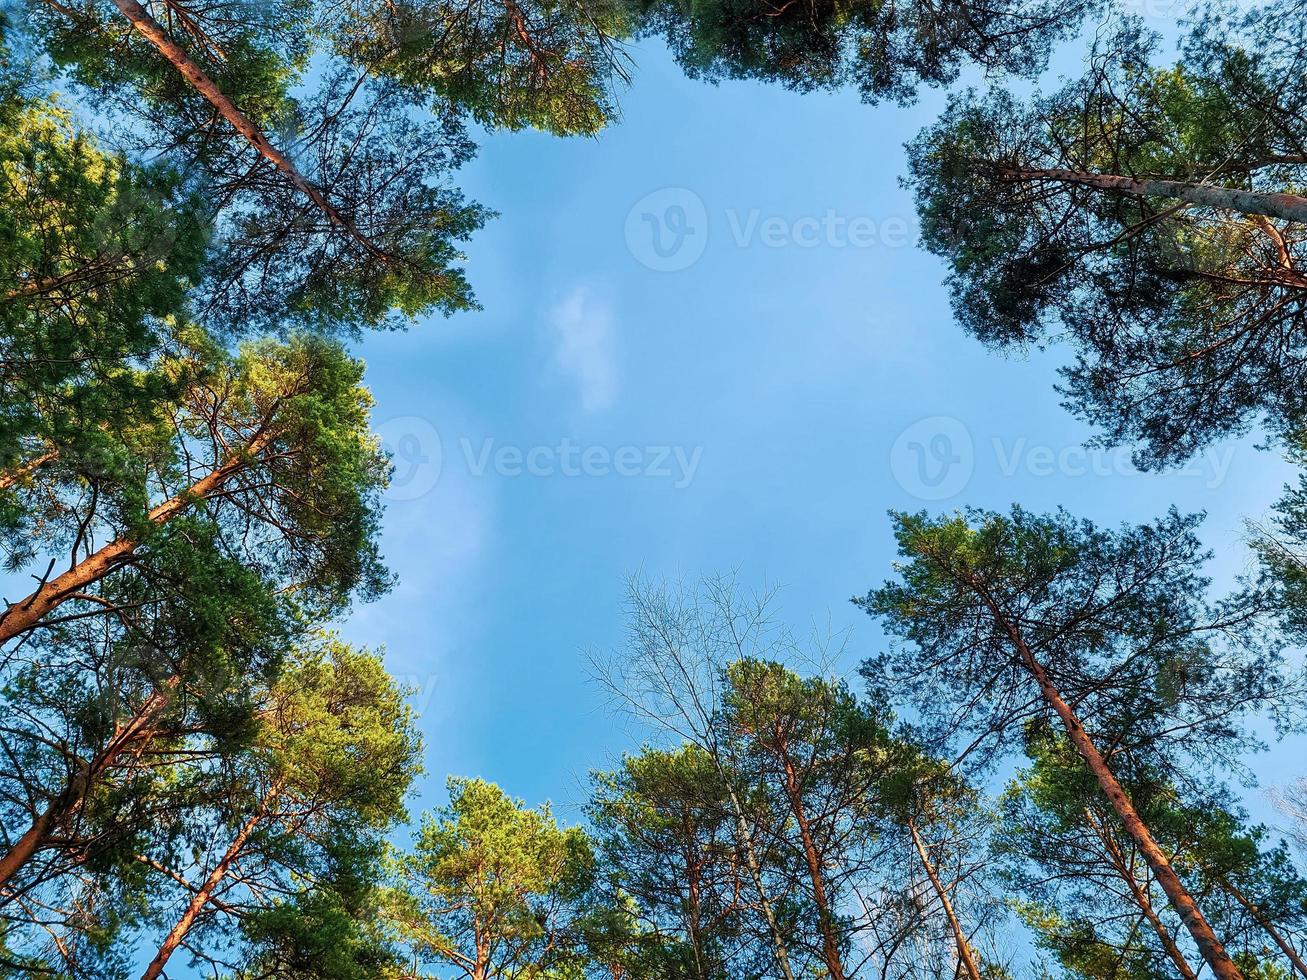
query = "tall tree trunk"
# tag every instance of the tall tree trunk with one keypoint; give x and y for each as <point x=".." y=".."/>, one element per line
<point x="1285" y="946"/>
<point x="1289" y="207"/>
<point x="57" y="812"/>
<point x="755" y="872"/>
<point x="25" y="613"/>
<point x="481" y="967"/>
<point x="1141" y="897"/>
<point x="829" y="941"/>
<point x="1211" y="948"/>
<point x="204" y="894"/>
<point x="202" y="83"/>
<point x="965" y="954"/>
<point x="9" y="477"/>
<point x="694" y="918"/>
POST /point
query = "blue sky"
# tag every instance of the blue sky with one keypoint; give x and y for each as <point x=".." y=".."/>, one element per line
<point x="753" y="401"/>
<point x="709" y="344"/>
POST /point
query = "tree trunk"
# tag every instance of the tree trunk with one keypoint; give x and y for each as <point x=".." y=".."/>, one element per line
<point x="118" y="266"/>
<point x="755" y="872"/>
<point x="481" y="967"/>
<point x="1261" y="920"/>
<point x="1289" y="207"/>
<point x="965" y="954"/>
<point x="26" y="613"/>
<point x="202" y="83"/>
<point x="694" y="917"/>
<point x="79" y="785"/>
<point x="829" y="941"/>
<point x="204" y="893"/>
<point x="1141" y="898"/>
<point x="9" y="477"/>
<point x="1206" y="940"/>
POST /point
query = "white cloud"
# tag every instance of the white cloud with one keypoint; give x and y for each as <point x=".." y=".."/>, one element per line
<point x="584" y="347"/>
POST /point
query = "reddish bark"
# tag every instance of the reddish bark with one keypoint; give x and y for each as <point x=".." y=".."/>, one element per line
<point x="136" y="729"/>
<point x="26" y="613"/>
<point x="1211" y="948"/>
<point x="204" y="894"/>
<point x="1141" y="899"/>
<point x="965" y="954"/>
<point x="829" y="940"/>
<point x="202" y="83"/>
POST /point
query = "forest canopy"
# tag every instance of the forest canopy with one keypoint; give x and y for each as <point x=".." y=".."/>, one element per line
<point x="206" y="205"/>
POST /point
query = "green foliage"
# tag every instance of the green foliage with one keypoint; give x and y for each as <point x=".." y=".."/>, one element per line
<point x="492" y="888"/>
<point x="1282" y="544"/>
<point x="886" y="50"/>
<point x="1089" y="895"/>
<point x="1184" y="317"/>
<point x="808" y="756"/>
<point x="667" y="842"/>
<point x="189" y="755"/>
<point x="174" y="645"/>
<point x="297" y="127"/>
<point x="274" y="262"/>
<point x="97" y="256"/>
<point x="1118" y="618"/>
<point x="318" y="935"/>
<point x="288" y="827"/>
<point x="546" y="65"/>
<point x="1083" y="883"/>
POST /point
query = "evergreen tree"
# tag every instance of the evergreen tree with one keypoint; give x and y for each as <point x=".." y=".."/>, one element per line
<point x="156" y="635"/>
<point x="1150" y="216"/>
<point x="298" y="129"/>
<point x="931" y="818"/>
<point x="666" y="840"/>
<point x="1005" y="620"/>
<point x="887" y="50"/>
<point x="1090" y="894"/>
<point x="96" y="256"/>
<point x="809" y="754"/>
<point x="290" y="824"/>
<point x="848" y="848"/>
<point x="492" y="889"/>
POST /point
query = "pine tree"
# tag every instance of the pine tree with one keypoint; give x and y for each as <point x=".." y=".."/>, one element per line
<point x="810" y="754"/>
<point x="493" y="889"/>
<point x="156" y="633"/>
<point x="1007" y="620"/>
<point x="666" y="840"/>
<point x="888" y="51"/>
<point x="295" y="815"/>
<point x="1149" y="216"/>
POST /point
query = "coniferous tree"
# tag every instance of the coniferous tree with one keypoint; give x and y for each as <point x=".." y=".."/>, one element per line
<point x="269" y="448"/>
<point x="666" y="839"/>
<point x="296" y="813"/>
<point x="96" y="257"/>
<point x="886" y="50"/>
<point x="1150" y="216"/>
<point x="158" y="631"/>
<point x="1091" y="895"/>
<point x="1088" y="892"/>
<point x="492" y="889"/>
<point x="295" y="128"/>
<point x="930" y="818"/>
<point x="670" y="676"/>
<point x="810" y="754"/>
<point x="1008" y="620"/>
<point x="815" y="796"/>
